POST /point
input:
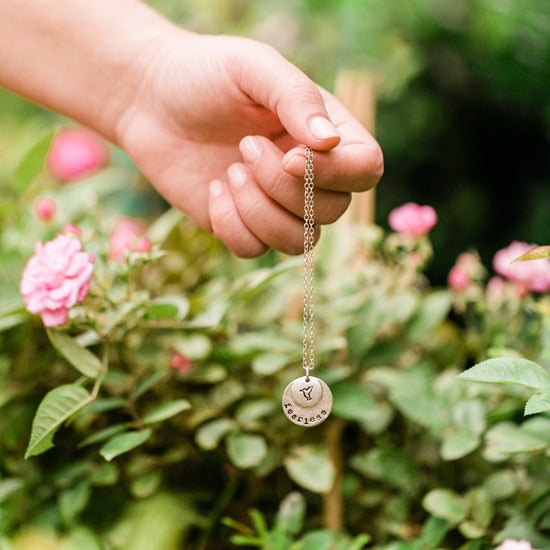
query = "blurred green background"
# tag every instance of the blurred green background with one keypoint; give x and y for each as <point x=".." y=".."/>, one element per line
<point x="463" y="102"/>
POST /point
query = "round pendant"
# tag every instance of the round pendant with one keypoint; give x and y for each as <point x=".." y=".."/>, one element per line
<point x="307" y="403"/>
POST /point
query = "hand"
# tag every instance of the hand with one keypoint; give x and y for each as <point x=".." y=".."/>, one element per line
<point x="218" y="125"/>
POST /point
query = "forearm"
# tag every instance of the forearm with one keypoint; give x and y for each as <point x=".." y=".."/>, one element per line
<point x="84" y="59"/>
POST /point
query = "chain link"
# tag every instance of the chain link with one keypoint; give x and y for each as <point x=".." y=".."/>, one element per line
<point x="308" y="354"/>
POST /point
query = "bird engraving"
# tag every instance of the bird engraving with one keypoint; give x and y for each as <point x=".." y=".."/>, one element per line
<point x="307" y="392"/>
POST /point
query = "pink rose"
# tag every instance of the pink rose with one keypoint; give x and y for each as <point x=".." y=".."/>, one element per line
<point x="56" y="278"/>
<point x="510" y="544"/>
<point x="413" y="219"/>
<point x="75" y="153"/>
<point x="496" y="289"/>
<point x="529" y="275"/>
<point x="463" y="272"/>
<point x="70" y="229"/>
<point x="180" y="362"/>
<point x="127" y="236"/>
<point x="45" y="208"/>
<point x="458" y="278"/>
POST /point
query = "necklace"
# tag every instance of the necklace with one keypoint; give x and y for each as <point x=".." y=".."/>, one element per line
<point x="307" y="401"/>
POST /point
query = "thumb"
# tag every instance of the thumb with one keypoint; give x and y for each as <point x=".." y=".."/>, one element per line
<point x="272" y="81"/>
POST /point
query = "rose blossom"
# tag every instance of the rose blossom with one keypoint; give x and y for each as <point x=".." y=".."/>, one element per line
<point x="76" y="152"/>
<point x="70" y="229"/>
<point x="127" y="235"/>
<point x="510" y="544"/>
<point x="462" y="273"/>
<point x="496" y="289"/>
<point x="412" y="219"/>
<point x="45" y="208"/>
<point x="528" y="275"/>
<point x="56" y="278"/>
<point x="180" y="362"/>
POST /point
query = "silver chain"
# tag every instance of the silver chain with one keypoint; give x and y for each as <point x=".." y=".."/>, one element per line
<point x="308" y="354"/>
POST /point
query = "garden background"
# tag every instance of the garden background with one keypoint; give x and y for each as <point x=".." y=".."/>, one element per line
<point x="413" y="458"/>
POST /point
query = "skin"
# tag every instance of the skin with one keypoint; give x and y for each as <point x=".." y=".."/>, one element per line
<point x="217" y="123"/>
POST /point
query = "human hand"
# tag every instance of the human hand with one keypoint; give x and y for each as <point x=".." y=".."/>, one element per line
<point x="219" y="124"/>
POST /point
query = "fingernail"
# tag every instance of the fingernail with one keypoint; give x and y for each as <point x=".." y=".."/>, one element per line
<point x="216" y="188"/>
<point x="250" y="150"/>
<point x="322" y="128"/>
<point x="237" y="175"/>
<point x="295" y="165"/>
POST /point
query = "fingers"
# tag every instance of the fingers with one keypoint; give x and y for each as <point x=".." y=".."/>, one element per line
<point x="249" y="221"/>
<point x="272" y="81"/>
<point x="228" y="226"/>
<point x="264" y="159"/>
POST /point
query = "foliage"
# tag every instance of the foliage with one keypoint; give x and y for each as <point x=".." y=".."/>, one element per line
<point x="416" y="457"/>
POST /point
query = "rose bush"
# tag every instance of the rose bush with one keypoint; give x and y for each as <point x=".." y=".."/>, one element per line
<point x="161" y="392"/>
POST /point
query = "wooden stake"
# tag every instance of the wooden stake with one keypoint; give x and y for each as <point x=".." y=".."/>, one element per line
<point x="356" y="89"/>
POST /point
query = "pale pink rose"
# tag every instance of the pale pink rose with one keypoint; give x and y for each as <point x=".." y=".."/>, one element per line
<point x="127" y="236"/>
<point x="71" y="230"/>
<point x="510" y="544"/>
<point x="412" y="219"/>
<point x="463" y="272"/>
<point x="56" y="278"/>
<point x="496" y="289"/>
<point x="458" y="278"/>
<point x="75" y="153"/>
<point x="529" y="275"/>
<point x="45" y="208"/>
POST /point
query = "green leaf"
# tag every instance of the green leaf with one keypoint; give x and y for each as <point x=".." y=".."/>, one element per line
<point x="270" y="363"/>
<point x="508" y="438"/>
<point x="105" y="433"/>
<point x="318" y="540"/>
<point x="72" y="501"/>
<point x="391" y="466"/>
<point x="311" y="467"/>
<point x="353" y="402"/>
<point x="57" y="406"/>
<point x="80" y="358"/>
<point x="209" y="435"/>
<point x="431" y="313"/>
<point x="433" y="533"/>
<point x="291" y="514"/>
<point x="457" y="444"/>
<point x="537" y="253"/>
<point x="469" y="416"/>
<point x="174" y="307"/>
<point x="246" y="450"/>
<point x="10" y="485"/>
<point x="32" y="163"/>
<point x="166" y="410"/>
<point x="80" y="538"/>
<point x="538" y="402"/>
<point x="508" y="370"/>
<point x="445" y="504"/>
<point x="150" y="382"/>
<point x="250" y="411"/>
<point x="147" y="484"/>
<point x="123" y="443"/>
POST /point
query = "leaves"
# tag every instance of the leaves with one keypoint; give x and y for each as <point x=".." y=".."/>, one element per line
<point x="80" y="358"/>
<point x="165" y="411"/>
<point x="123" y="443"/>
<point x="209" y="435"/>
<point x="445" y="504"/>
<point x="58" y="406"/>
<point x="536" y="253"/>
<point x="538" y="402"/>
<point x="508" y="370"/>
<point x="32" y="163"/>
<point x="246" y="450"/>
<point x="311" y="468"/>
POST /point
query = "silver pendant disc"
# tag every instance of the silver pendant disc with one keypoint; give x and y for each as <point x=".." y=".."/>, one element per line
<point x="307" y="403"/>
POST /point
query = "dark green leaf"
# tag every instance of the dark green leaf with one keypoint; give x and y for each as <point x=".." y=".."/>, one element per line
<point x="209" y="435"/>
<point x="104" y="434"/>
<point x="174" y="307"/>
<point x="291" y="514"/>
<point x="72" y="501"/>
<point x="58" y="406"/>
